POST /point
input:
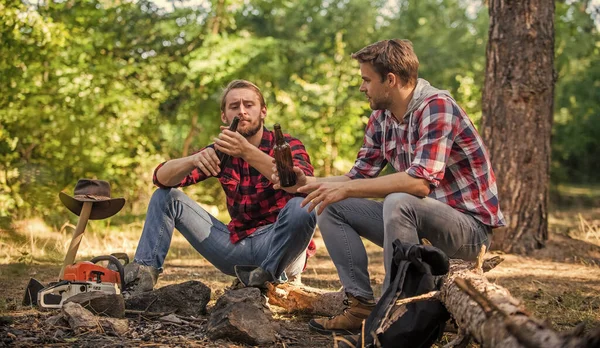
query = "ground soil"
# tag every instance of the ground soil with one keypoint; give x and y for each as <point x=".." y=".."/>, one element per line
<point x="560" y="284"/>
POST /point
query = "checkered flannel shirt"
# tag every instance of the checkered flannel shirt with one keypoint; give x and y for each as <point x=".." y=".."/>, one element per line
<point x="252" y="201"/>
<point x="445" y="149"/>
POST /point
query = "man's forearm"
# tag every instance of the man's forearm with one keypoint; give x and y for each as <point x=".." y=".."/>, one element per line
<point x="173" y="171"/>
<point x="340" y="178"/>
<point x="384" y="185"/>
<point x="260" y="161"/>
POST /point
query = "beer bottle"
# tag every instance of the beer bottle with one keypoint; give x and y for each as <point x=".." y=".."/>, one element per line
<point x="223" y="157"/>
<point x="283" y="159"/>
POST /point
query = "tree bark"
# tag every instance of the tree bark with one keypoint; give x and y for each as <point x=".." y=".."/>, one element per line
<point x="298" y="298"/>
<point x="489" y="314"/>
<point x="517" y="117"/>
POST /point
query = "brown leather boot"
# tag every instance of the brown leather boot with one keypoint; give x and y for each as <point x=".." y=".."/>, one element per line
<point x="349" y="322"/>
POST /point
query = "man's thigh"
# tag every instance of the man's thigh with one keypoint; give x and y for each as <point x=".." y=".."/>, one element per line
<point x="364" y="216"/>
<point x="458" y="234"/>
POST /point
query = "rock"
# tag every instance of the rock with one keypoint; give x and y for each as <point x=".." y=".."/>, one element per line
<point x="101" y="303"/>
<point x="187" y="299"/>
<point x="58" y="320"/>
<point x="117" y="326"/>
<point x="79" y="318"/>
<point x="241" y="316"/>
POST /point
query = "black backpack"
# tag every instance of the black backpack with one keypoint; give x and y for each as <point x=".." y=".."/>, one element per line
<point x="416" y="270"/>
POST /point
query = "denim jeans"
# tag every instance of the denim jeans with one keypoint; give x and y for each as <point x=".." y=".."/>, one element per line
<point x="400" y="216"/>
<point x="277" y="247"/>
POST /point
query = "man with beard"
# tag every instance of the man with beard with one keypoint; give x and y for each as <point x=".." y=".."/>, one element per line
<point x="443" y="188"/>
<point x="269" y="232"/>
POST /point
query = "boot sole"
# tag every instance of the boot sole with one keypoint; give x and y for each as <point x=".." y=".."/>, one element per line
<point x="328" y="332"/>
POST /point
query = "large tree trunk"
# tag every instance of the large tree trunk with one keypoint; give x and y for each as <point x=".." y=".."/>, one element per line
<point x="517" y="116"/>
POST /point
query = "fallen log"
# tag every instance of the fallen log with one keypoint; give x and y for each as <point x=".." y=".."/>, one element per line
<point x="299" y="298"/>
<point x="490" y="315"/>
<point x="483" y="311"/>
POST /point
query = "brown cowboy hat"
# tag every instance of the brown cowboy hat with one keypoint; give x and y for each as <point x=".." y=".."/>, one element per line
<point x="97" y="191"/>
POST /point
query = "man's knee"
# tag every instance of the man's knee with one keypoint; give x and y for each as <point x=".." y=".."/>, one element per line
<point x="399" y="202"/>
<point x="299" y="213"/>
<point x="162" y="196"/>
<point x="331" y="214"/>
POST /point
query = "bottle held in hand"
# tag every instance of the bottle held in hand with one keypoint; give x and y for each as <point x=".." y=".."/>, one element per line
<point x="223" y="157"/>
<point x="283" y="159"/>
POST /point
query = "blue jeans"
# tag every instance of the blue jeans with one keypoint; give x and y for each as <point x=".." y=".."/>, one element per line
<point x="277" y="247"/>
<point x="399" y="216"/>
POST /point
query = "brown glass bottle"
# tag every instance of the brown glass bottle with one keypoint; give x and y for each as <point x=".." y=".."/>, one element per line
<point x="223" y="157"/>
<point x="283" y="159"/>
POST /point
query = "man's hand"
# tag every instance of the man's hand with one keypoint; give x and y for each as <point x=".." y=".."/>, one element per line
<point x="322" y="194"/>
<point x="207" y="161"/>
<point x="232" y="143"/>
<point x="300" y="179"/>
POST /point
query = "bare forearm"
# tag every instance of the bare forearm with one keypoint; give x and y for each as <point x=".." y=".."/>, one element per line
<point x="340" y="178"/>
<point x="384" y="185"/>
<point x="172" y="172"/>
<point x="259" y="161"/>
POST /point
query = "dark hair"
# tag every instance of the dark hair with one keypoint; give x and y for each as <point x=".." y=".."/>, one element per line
<point x="394" y="56"/>
<point x="236" y="84"/>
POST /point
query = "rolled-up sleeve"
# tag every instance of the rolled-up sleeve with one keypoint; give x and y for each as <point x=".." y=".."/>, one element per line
<point x="437" y="130"/>
<point x="370" y="159"/>
<point x="193" y="177"/>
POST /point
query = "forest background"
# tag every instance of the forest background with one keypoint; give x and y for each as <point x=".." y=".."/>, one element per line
<point x="109" y="89"/>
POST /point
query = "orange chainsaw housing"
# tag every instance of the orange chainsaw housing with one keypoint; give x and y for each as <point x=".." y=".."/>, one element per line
<point x="82" y="271"/>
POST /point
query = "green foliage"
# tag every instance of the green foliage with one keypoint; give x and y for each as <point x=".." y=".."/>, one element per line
<point x="108" y="90"/>
<point x="575" y="143"/>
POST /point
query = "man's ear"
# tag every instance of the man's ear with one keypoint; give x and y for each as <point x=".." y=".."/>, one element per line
<point x="223" y="118"/>
<point x="263" y="112"/>
<point x="392" y="79"/>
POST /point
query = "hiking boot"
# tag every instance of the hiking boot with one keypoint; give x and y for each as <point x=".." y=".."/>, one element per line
<point x="139" y="278"/>
<point x="348" y="322"/>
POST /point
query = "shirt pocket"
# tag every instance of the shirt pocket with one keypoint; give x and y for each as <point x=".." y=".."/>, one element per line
<point x="231" y="186"/>
<point x="260" y="196"/>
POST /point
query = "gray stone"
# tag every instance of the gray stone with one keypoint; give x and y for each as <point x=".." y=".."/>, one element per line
<point x="58" y="320"/>
<point x="187" y="299"/>
<point x="101" y="303"/>
<point x="242" y="316"/>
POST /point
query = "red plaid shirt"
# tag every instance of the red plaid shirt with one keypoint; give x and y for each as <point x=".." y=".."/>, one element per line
<point x="252" y="201"/>
<point x="445" y="149"/>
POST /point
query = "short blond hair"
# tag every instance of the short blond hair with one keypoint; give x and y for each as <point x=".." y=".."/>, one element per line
<point x="394" y="56"/>
<point x="237" y="84"/>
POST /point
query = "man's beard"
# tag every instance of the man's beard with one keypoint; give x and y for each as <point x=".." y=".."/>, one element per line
<point x="251" y="131"/>
<point x="379" y="104"/>
<point x="382" y="103"/>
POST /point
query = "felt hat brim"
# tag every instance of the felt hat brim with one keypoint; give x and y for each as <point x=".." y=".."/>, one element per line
<point x="101" y="209"/>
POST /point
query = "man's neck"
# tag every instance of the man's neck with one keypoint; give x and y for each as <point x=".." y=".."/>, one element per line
<point x="400" y="102"/>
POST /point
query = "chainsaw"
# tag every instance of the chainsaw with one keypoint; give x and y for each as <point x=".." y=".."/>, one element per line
<point x="82" y="277"/>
